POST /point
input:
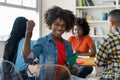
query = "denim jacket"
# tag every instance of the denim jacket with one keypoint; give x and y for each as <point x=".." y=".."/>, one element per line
<point x="45" y="46"/>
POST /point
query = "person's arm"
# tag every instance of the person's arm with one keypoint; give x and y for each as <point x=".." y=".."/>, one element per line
<point x="92" y="48"/>
<point x="92" y="52"/>
<point x="26" y="47"/>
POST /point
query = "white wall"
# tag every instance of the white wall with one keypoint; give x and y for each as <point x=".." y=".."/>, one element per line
<point x="66" y="4"/>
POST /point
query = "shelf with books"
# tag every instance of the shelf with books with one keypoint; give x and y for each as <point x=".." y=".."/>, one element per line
<point x="98" y="7"/>
<point x="84" y="3"/>
<point x="96" y="15"/>
<point x="91" y="3"/>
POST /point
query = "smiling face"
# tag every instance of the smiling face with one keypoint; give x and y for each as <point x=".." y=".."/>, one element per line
<point x="58" y="28"/>
<point x="78" y="31"/>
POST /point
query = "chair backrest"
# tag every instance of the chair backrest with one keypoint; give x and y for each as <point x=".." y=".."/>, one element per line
<point x="53" y="72"/>
<point x="8" y="71"/>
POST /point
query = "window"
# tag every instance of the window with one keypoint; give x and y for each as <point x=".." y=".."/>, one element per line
<point x="16" y="2"/>
<point x="2" y="0"/>
<point x="9" y="13"/>
<point x="21" y="3"/>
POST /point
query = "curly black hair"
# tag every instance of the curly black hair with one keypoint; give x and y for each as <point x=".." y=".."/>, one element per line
<point x="56" y="12"/>
<point x="81" y="22"/>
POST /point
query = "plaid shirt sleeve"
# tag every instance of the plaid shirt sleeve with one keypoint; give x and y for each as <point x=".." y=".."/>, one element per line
<point x="101" y="56"/>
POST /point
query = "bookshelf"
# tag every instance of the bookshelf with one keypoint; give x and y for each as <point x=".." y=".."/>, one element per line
<point x="94" y="15"/>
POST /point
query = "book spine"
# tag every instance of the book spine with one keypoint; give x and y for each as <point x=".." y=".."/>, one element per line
<point x="84" y="3"/>
<point x="77" y="3"/>
<point x="90" y="2"/>
<point x="80" y="2"/>
<point x="87" y="3"/>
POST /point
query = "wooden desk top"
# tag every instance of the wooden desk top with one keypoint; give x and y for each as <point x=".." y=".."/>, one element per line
<point x="86" y="61"/>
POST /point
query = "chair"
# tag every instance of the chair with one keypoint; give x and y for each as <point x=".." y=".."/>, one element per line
<point x="53" y="72"/>
<point x="8" y="71"/>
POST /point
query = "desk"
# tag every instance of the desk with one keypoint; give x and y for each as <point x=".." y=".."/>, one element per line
<point x="87" y="61"/>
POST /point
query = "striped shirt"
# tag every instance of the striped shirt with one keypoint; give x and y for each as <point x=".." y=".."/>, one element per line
<point x="108" y="55"/>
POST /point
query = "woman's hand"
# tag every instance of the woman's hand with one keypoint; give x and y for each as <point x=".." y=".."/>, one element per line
<point x="30" y="26"/>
